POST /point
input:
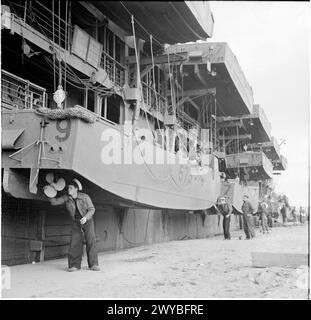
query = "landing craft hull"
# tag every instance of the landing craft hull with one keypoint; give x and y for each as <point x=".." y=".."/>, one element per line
<point x="78" y="147"/>
<point x="235" y="192"/>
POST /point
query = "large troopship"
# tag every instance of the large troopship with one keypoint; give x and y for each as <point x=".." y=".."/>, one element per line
<point x="130" y="98"/>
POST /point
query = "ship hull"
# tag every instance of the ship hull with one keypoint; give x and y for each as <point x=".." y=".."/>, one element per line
<point x="73" y="146"/>
<point x="235" y="193"/>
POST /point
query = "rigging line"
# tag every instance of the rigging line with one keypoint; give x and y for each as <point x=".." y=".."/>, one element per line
<point x="52" y="44"/>
<point x="237" y="133"/>
<point x="138" y="74"/>
<point x="154" y="86"/>
<point x="71" y="80"/>
<point x="215" y="120"/>
<point x="171" y="86"/>
<point x="182" y="81"/>
<point x="141" y="93"/>
<point x="146" y="231"/>
<point x="40" y="15"/>
<point x="147" y="165"/>
<point x="220" y="107"/>
<point x="66" y="48"/>
<point x="54" y="78"/>
<point x="59" y="42"/>
<point x="84" y="82"/>
<point x="25" y="10"/>
<point x="147" y="32"/>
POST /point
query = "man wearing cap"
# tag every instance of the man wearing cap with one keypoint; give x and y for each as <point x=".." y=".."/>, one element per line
<point x="263" y="212"/>
<point x="248" y="211"/>
<point x="284" y="213"/>
<point x="225" y="209"/>
<point x="81" y="210"/>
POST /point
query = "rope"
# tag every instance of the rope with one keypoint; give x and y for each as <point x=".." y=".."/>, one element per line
<point x="138" y="72"/>
<point x="75" y="112"/>
<point x="238" y="151"/>
<point x="146" y="230"/>
<point x="215" y="121"/>
<point x="154" y="86"/>
<point x="66" y="48"/>
<point x="25" y="10"/>
<point x="142" y="97"/>
<point x="54" y="77"/>
<point x="147" y="32"/>
<point x="59" y="35"/>
<point x="171" y="85"/>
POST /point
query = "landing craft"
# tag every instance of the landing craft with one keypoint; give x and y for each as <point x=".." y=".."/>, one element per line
<point x="88" y="70"/>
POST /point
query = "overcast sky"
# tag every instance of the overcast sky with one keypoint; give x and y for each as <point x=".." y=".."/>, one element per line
<point x="271" y="41"/>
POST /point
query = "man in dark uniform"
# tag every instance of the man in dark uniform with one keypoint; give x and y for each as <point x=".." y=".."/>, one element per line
<point x="263" y="212"/>
<point x="294" y="214"/>
<point x="81" y="210"/>
<point x="225" y="209"/>
<point x="248" y="211"/>
<point x="284" y="214"/>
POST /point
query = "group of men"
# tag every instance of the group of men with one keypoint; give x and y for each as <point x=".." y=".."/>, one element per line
<point x="248" y="211"/>
<point x="294" y="214"/>
<point x="81" y="210"/>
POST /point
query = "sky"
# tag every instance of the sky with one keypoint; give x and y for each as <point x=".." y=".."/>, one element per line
<point x="271" y="41"/>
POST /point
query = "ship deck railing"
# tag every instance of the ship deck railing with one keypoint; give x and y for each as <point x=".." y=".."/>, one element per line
<point x="42" y="19"/>
<point x="114" y="69"/>
<point x="249" y="159"/>
<point x="153" y="99"/>
<point x="59" y="33"/>
<point x="18" y="93"/>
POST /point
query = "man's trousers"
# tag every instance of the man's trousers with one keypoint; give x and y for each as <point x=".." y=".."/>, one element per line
<point x="264" y="225"/>
<point x="248" y="226"/>
<point x="76" y="244"/>
<point x="226" y="226"/>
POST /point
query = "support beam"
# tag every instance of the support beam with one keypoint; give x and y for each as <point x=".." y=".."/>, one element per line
<point x="194" y="104"/>
<point x="101" y="18"/>
<point x="142" y="74"/>
<point x="228" y="125"/>
<point x="237" y="118"/>
<point x="240" y="137"/>
<point x="199" y="76"/>
<point x="162" y="59"/>
<point x="196" y="92"/>
<point x="34" y="36"/>
<point x="181" y="101"/>
<point x="94" y="11"/>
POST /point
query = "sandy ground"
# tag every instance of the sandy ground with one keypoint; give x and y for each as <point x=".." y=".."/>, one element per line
<point x="203" y="268"/>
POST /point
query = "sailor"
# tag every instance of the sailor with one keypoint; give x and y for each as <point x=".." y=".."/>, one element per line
<point x="272" y="214"/>
<point x="81" y="210"/>
<point x="294" y="214"/>
<point x="302" y="213"/>
<point x="283" y="212"/>
<point x="248" y="211"/>
<point x="225" y="209"/>
<point x="263" y="211"/>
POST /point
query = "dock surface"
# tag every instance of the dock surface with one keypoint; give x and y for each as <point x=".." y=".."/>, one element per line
<point x="198" y="268"/>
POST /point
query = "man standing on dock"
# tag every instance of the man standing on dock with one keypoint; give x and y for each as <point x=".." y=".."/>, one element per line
<point x="263" y="211"/>
<point x="248" y="211"/>
<point x="302" y="214"/>
<point x="225" y="209"/>
<point x="284" y="214"/>
<point x="81" y="210"/>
